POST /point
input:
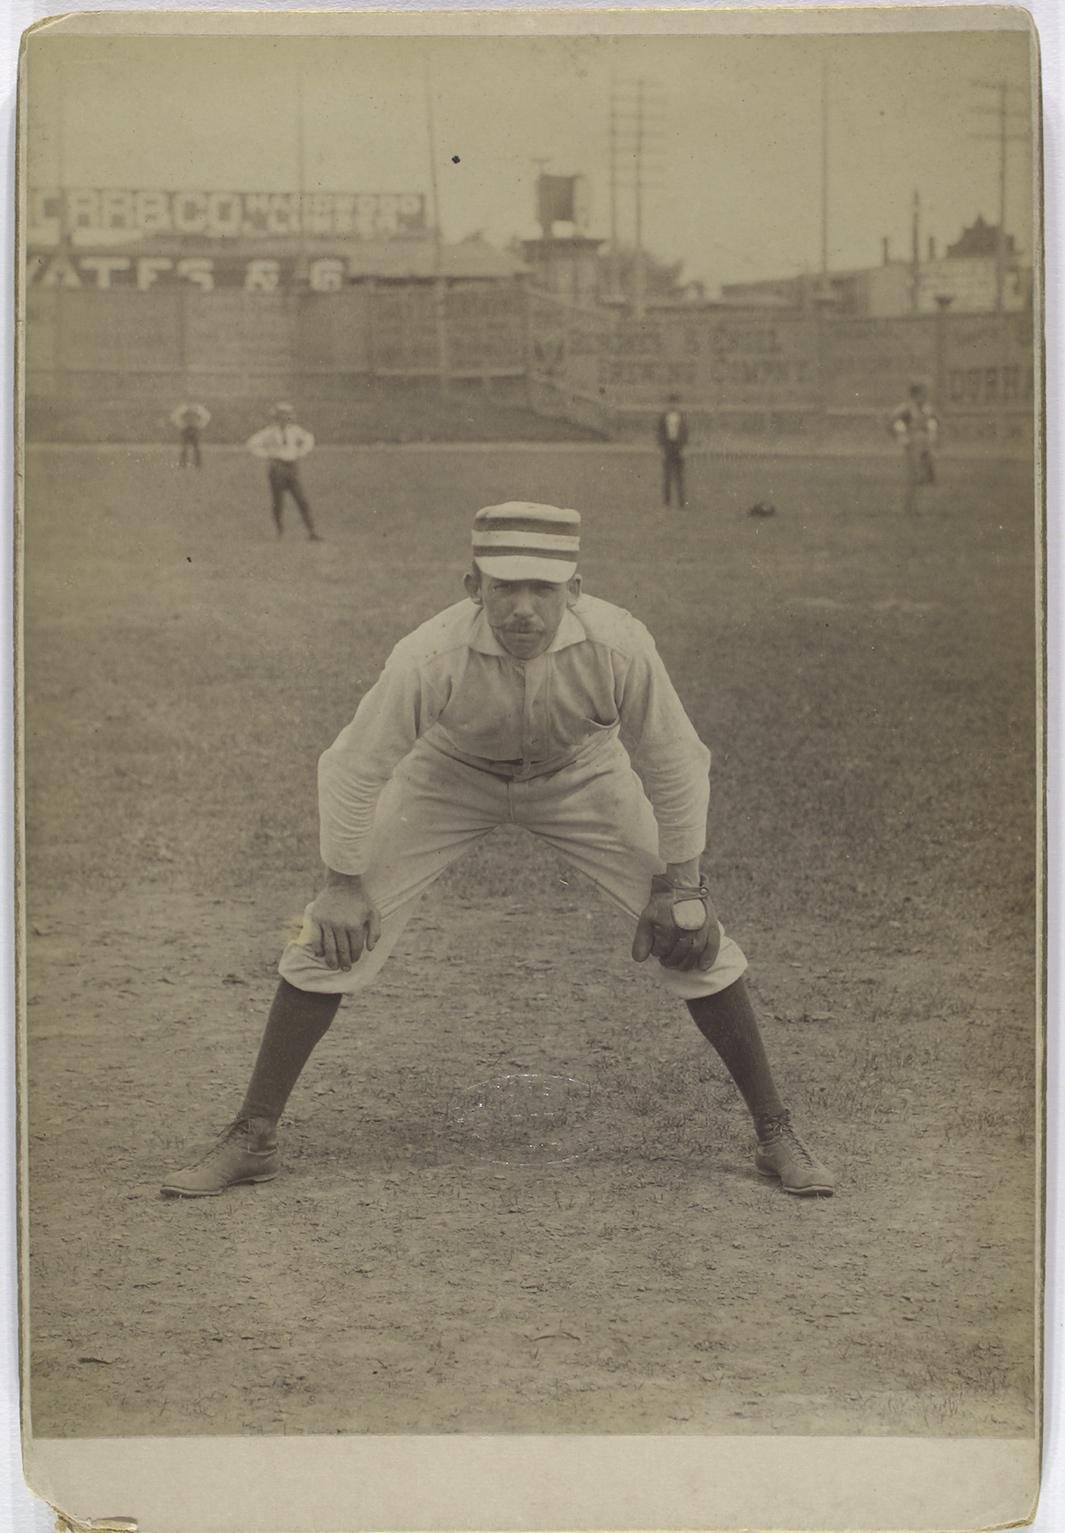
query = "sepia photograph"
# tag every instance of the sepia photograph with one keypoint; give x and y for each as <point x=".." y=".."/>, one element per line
<point x="530" y="601"/>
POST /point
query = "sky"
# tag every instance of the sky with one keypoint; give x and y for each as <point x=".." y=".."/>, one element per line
<point x="733" y="175"/>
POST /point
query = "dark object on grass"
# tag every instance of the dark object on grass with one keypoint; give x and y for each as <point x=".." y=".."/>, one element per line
<point x="762" y="508"/>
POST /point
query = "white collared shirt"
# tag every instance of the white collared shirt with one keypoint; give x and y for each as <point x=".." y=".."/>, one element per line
<point x="452" y="683"/>
<point x="286" y="443"/>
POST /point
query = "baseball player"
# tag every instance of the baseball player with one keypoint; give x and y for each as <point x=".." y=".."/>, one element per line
<point x="671" y="432"/>
<point x="528" y="703"/>
<point x="191" y="420"/>
<point x="915" y="426"/>
<point x="283" y="445"/>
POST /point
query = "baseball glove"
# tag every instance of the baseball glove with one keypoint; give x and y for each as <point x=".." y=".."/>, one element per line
<point x="678" y="926"/>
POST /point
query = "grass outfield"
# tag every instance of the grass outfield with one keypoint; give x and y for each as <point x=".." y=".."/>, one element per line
<point x="519" y="1192"/>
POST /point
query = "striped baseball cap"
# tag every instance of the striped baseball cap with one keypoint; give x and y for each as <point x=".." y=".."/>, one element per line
<point x="520" y="540"/>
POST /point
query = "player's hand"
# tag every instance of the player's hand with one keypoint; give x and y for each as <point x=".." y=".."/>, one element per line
<point x="346" y="922"/>
<point x="678" y="925"/>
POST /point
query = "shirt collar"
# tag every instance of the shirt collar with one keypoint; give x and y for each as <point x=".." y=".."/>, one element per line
<point x="570" y="631"/>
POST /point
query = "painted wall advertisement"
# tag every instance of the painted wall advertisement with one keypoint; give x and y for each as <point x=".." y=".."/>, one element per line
<point x="100" y="271"/>
<point x="97" y="215"/>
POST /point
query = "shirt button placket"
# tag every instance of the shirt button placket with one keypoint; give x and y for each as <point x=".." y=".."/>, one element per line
<point x="530" y="732"/>
<point x="523" y="770"/>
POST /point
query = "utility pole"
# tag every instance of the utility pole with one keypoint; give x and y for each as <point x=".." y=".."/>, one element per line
<point x="634" y="125"/>
<point x="615" y="252"/>
<point x="824" y="173"/>
<point x="61" y="156"/>
<point x="439" y="280"/>
<point x="434" y="189"/>
<point x="1003" y="138"/>
<point x="915" y="256"/>
<point x="639" y="275"/>
<point x="301" y="185"/>
<point x="65" y="253"/>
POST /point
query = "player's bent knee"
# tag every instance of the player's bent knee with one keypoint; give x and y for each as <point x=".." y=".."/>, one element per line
<point x="308" y="970"/>
<point x="728" y="966"/>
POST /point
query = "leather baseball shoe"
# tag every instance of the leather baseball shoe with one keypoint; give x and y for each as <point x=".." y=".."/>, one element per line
<point x="246" y="1152"/>
<point x="782" y="1154"/>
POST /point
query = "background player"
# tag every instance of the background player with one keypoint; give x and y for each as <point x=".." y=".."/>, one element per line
<point x="671" y="432"/>
<point x="191" y="420"/>
<point x="526" y="703"/>
<point x="915" y="427"/>
<point x="284" y="445"/>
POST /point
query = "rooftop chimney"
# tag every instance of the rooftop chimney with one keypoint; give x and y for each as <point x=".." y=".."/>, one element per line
<point x="931" y="247"/>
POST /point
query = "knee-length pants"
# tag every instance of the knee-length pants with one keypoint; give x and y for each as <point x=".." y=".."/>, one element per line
<point x="593" y="813"/>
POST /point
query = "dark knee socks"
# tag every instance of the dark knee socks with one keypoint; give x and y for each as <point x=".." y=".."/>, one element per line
<point x="727" y="1021"/>
<point x="298" y="1020"/>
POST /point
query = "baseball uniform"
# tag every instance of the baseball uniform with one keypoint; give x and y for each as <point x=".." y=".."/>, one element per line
<point x="527" y="704"/>
<point x="587" y="747"/>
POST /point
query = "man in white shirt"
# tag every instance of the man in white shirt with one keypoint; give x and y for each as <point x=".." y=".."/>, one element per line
<point x="191" y="420"/>
<point x="671" y="432"/>
<point x="526" y="703"/>
<point x="283" y="445"/>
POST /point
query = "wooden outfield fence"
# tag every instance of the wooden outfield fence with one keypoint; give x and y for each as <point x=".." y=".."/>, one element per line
<point x="744" y="375"/>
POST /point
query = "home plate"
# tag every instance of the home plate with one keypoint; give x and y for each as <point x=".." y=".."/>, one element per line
<point x="525" y="1119"/>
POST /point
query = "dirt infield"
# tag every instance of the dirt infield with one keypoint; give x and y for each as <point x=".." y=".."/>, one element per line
<point x="519" y="1193"/>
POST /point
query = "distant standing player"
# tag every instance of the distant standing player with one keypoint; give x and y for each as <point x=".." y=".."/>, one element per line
<point x="915" y="427"/>
<point x="527" y="703"/>
<point x="283" y="445"/>
<point x="672" y="435"/>
<point x="191" y="420"/>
